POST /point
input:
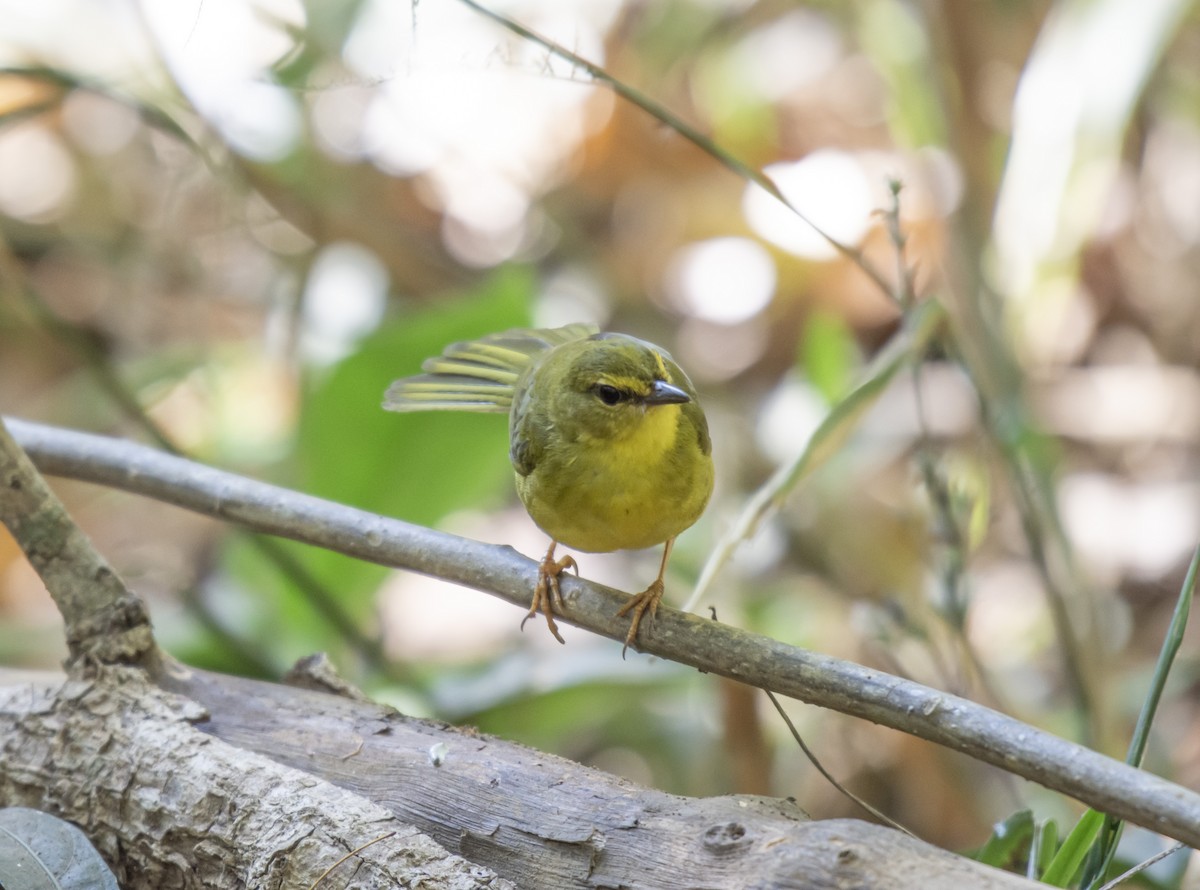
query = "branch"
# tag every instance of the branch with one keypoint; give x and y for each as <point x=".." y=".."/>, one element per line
<point x="253" y="779"/>
<point x="105" y="622"/>
<point x="170" y="806"/>
<point x="939" y="717"/>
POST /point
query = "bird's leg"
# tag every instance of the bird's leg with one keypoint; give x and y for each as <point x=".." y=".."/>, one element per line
<point x="547" y="594"/>
<point x="646" y="601"/>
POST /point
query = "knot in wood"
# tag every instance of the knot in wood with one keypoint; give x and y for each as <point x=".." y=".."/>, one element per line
<point x="725" y="838"/>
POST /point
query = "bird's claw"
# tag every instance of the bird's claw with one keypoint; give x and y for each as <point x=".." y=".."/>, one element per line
<point x="547" y="594"/>
<point x="646" y="601"/>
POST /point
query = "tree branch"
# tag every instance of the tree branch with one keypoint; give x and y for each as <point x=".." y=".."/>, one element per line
<point x="105" y="622"/>
<point x="945" y="719"/>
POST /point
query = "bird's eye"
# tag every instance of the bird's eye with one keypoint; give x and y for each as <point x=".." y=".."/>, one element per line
<point x="609" y="395"/>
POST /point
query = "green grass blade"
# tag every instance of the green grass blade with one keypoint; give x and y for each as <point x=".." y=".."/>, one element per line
<point x="1106" y="846"/>
<point x="1070" y="855"/>
<point x="1166" y="657"/>
<point x="1041" y="852"/>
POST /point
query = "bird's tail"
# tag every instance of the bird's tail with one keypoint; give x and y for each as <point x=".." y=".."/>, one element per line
<point x="478" y="375"/>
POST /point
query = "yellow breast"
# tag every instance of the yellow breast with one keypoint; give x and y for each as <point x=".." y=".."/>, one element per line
<point x="629" y="492"/>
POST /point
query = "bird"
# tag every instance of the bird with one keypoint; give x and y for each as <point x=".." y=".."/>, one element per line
<point x="609" y="445"/>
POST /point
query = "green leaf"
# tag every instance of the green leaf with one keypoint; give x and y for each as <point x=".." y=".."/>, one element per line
<point x="1068" y="859"/>
<point x="1041" y="853"/>
<point x="1008" y="839"/>
<point x="418" y="467"/>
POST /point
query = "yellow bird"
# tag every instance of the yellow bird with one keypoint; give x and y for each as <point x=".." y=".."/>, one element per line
<point x="609" y="444"/>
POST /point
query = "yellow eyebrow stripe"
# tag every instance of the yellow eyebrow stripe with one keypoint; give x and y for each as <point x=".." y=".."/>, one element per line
<point x="626" y="384"/>
<point x="664" y="374"/>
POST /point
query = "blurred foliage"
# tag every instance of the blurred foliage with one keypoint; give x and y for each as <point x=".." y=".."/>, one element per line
<point x="355" y="456"/>
<point x="226" y="226"/>
<point x="829" y="355"/>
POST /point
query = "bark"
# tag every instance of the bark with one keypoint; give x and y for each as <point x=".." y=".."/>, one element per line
<point x="171" y="807"/>
<point x="104" y="621"/>
<point x="222" y="782"/>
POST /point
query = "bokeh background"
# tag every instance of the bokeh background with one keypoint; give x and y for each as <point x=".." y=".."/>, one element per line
<point x="226" y="226"/>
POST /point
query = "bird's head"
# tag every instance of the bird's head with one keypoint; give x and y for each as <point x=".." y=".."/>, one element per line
<point x="611" y="386"/>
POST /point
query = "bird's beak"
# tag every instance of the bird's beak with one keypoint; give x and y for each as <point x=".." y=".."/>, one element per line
<point x="662" y="393"/>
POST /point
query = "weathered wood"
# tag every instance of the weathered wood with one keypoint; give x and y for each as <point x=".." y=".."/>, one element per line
<point x="171" y="807"/>
<point x="218" y="782"/>
<point x="543" y="821"/>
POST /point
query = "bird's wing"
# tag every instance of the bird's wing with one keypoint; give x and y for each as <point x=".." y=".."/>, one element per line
<point x="479" y="375"/>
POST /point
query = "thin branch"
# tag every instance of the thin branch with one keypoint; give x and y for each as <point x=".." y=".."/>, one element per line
<point x="1142" y="866"/>
<point x="977" y="325"/>
<point x="669" y="119"/>
<point x="939" y="717"/>
<point x="826" y="774"/>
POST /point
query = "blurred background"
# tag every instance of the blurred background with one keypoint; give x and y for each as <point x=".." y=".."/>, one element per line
<point x="226" y="226"/>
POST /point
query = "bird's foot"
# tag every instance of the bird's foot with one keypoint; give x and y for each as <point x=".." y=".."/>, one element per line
<point x="546" y="594"/>
<point x="646" y="601"/>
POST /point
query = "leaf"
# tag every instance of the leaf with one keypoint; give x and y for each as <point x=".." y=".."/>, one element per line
<point x="420" y="466"/>
<point x="1041" y="854"/>
<point x="908" y="345"/>
<point x="42" y="852"/>
<point x="1069" y="858"/>
<point x="1008" y="839"/>
<point x="417" y="467"/>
